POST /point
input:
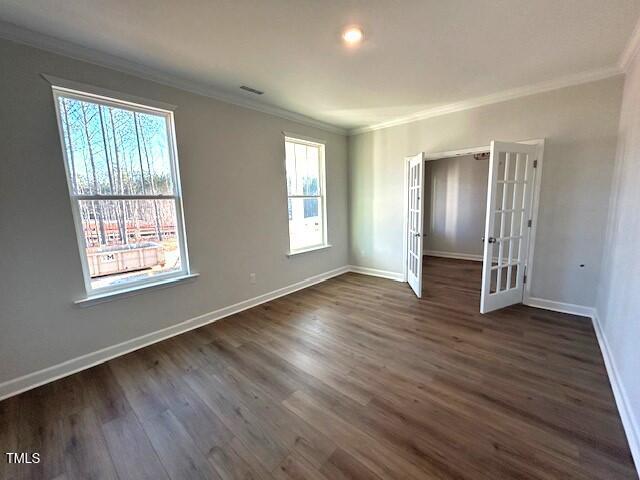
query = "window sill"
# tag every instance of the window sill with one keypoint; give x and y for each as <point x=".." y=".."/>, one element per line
<point x="135" y="290"/>
<point x="291" y="253"/>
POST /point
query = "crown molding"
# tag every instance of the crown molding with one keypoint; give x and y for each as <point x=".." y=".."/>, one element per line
<point x="631" y="50"/>
<point x="35" y="39"/>
<point x="503" y="96"/>
<point x="38" y="40"/>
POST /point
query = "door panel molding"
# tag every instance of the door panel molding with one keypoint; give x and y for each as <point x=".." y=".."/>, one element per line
<point x="413" y="221"/>
<point x="511" y="184"/>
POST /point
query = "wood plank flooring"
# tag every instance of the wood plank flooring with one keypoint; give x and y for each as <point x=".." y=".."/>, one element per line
<point x="354" y="378"/>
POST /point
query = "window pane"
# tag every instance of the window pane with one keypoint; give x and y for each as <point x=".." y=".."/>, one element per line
<point x="129" y="240"/>
<point x="305" y="223"/>
<point x="300" y="158"/>
<point x="310" y="207"/>
<point x="309" y="172"/>
<point x="303" y="169"/>
<point x="115" y="151"/>
<point x="291" y="168"/>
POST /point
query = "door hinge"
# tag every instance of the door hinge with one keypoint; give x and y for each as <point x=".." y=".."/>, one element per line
<point x="524" y="280"/>
<point x="535" y="163"/>
<point x="529" y="224"/>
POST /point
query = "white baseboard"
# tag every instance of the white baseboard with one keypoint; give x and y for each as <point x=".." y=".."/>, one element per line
<point x="629" y="421"/>
<point x="562" y="307"/>
<point x="40" y="377"/>
<point x="458" y="256"/>
<point x="374" y="272"/>
<point x="49" y="374"/>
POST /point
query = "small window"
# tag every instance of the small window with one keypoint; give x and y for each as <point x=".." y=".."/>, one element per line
<point x="306" y="194"/>
<point x="122" y="172"/>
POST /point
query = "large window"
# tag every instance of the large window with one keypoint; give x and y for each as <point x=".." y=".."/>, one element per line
<point x="124" y="185"/>
<point x="306" y="194"/>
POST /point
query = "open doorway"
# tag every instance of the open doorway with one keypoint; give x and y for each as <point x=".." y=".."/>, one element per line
<point x="455" y="204"/>
<point x="475" y="205"/>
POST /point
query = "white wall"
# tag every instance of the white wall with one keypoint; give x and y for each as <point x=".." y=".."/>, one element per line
<point x="618" y="304"/>
<point x="455" y="200"/>
<point x="580" y="127"/>
<point x="233" y="179"/>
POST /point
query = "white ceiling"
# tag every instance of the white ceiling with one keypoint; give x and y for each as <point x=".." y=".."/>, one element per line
<point x="417" y="54"/>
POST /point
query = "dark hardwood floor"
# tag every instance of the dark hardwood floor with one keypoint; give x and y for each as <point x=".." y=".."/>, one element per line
<point x="354" y="378"/>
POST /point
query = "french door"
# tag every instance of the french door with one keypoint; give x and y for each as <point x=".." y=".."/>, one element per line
<point x="415" y="184"/>
<point x="506" y="239"/>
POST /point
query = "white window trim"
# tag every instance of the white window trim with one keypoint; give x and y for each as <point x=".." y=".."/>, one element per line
<point x="106" y="94"/>
<point x="292" y="253"/>
<point x="69" y="89"/>
<point x="134" y="290"/>
<point x="301" y="139"/>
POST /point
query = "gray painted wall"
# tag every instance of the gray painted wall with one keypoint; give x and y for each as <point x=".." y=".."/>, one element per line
<point x="233" y="179"/>
<point x="455" y="201"/>
<point x="619" y="296"/>
<point x="580" y="126"/>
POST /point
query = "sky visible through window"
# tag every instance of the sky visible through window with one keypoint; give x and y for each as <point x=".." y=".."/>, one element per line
<point x="125" y="153"/>
<point x="115" y="151"/>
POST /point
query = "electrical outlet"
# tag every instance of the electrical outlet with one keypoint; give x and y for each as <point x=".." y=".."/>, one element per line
<point x="252" y="278"/>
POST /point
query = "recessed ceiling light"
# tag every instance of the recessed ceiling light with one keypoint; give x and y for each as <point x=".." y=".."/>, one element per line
<point x="352" y="36"/>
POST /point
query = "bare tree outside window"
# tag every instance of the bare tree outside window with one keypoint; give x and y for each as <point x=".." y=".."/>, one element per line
<point x="124" y="189"/>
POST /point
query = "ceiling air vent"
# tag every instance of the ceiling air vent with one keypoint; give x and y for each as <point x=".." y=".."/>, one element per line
<point x="251" y="90"/>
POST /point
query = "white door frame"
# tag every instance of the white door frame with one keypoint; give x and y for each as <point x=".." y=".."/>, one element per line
<point x="534" y="209"/>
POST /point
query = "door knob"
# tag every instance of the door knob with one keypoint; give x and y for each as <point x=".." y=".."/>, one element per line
<point x="491" y="240"/>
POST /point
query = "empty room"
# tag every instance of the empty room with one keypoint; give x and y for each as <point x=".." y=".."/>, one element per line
<point x="319" y="239"/>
